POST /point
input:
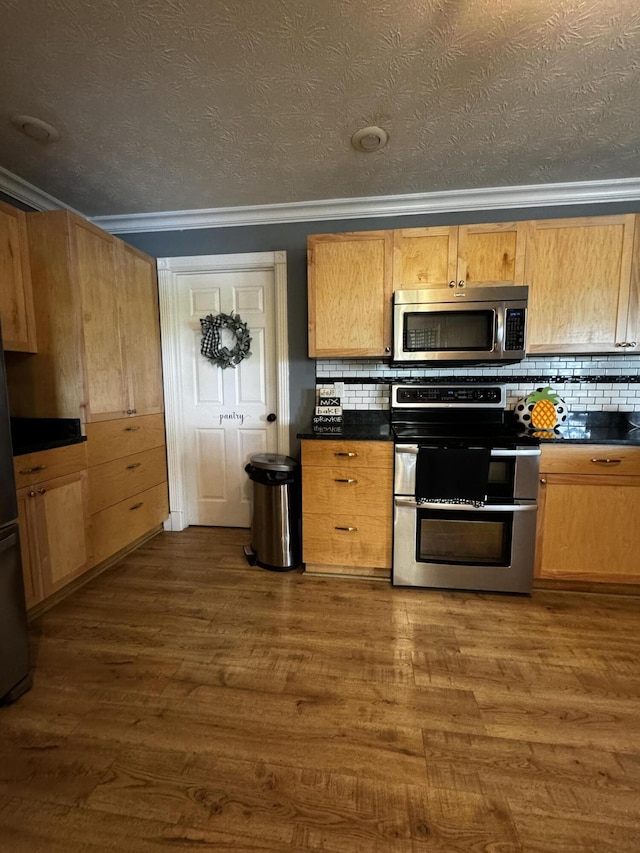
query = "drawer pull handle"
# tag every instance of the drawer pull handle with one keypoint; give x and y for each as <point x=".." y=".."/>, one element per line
<point x="135" y="465"/>
<point x="607" y="461"/>
<point x="131" y="429"/>
<point x="344" y="453"/>
<point x="33" y="470"/>
<point x="344" y="480"/>
<point x="135" y="506"/>
<point x="348" y="529"/>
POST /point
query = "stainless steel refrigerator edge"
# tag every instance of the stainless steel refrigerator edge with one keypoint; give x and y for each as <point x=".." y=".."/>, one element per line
<point x="15" y="674"/>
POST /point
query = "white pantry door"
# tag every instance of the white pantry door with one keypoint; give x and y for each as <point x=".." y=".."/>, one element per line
<point x="223" y="417"/>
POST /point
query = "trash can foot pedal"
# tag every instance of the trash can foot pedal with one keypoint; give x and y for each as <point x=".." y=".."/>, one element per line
<point x="250" y="555"/>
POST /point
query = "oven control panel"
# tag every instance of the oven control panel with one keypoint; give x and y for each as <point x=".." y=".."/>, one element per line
<point x="425" y="396"/>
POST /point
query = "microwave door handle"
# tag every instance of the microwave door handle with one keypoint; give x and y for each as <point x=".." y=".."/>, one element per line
<point x="496" y="332"/>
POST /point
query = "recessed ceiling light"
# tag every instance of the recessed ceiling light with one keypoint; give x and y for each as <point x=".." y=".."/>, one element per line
<point x="36" y="129"/>
<point x="369" y="139"/>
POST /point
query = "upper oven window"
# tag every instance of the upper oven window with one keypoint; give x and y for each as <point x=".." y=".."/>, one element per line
<point x="449" y="331"/>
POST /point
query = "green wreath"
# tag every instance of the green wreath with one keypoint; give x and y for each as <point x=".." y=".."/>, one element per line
<point x="211" y="346"/>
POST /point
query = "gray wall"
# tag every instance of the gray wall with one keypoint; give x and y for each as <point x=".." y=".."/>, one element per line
<point x="292" y="238"/>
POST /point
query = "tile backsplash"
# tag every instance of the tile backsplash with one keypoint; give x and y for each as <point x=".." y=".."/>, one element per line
<point x="598" y="383"/>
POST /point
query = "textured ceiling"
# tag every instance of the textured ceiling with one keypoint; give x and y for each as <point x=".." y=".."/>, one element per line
<point x="169" y="105"/>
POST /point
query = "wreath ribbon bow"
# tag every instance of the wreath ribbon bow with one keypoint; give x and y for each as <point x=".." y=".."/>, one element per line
<point x="210" y="346"/>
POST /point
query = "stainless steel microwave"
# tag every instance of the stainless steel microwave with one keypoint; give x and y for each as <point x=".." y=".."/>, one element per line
<point x="476" y="324"/>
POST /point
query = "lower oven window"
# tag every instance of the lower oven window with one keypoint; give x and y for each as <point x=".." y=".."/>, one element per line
<point x="464" y="537"/>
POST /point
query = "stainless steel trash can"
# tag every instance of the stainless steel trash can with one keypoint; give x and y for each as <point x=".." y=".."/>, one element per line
<point x="275" y="541"/>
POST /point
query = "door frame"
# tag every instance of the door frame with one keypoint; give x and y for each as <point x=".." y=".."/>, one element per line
<point x="168" y="271"/>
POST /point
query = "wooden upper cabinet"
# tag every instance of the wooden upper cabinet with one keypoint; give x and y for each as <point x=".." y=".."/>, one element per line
<point x="579" y="273"/>
<point x="95" y="274"/>
<point x="349" y="278"/>
<point x="96" y="309"/>
<point x="465" y="255"/>
<point x="140" y="325"/>
<point x="16" y="297"/>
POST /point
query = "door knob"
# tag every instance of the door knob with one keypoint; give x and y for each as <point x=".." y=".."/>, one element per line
<point x="271" y="418"/>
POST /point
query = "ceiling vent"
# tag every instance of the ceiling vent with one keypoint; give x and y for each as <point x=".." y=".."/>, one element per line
<point x="369" y="139"/>
<point x="36" y="129"/>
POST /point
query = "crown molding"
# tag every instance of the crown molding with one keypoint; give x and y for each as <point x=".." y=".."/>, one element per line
<point x="451" y="201"/>
<point x="494" y="198"/>
<point x="23" y="191"/>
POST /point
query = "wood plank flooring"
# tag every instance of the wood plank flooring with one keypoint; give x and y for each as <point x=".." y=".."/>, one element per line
<point x="184" y="700"/>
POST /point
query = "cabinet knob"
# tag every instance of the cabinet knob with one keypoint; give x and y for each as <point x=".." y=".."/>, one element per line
<point x="461" y="284"/>
<point x="32" y="494"/>
<point x="41" y="491"/>
<point x="132" y="411"/>
<point x="543" y="480"/>
<point x="387" y="349"/>
<point x="452" y="284"/>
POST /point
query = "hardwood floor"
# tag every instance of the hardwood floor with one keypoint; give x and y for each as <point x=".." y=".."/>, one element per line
<point x="186" y="701"/>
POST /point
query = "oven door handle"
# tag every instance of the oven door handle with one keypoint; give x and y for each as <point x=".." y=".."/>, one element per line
<point x="529" y="451"/>
<point x="412" y="449"/>
<point x="517" y="507"/>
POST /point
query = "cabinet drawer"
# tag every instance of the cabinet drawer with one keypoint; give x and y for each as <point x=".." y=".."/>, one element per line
<point x="115" y="527"/>
<point x="366" y="543"/>
<point x="119" y="479"/>
<point x="346" y="490"/>
<point x="109" y="440"/>
<point x="590" y="459"/>
<point x="31" y="468"/>
<point x="366" y="454"/>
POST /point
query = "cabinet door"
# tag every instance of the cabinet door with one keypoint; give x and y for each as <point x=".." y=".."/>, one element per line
<point x="96" y="277"/>
<point x="54" y="516"/>
<point x="579" y="273"/>
<point x="588" y="529"/>
<point x="425" y="257"/>
<point x="491" y="253"/>
<point x="28" y="548"/>
<point x="140" y="322"/>
<point x="350" y="294"/>
<point x="16" y="297"/>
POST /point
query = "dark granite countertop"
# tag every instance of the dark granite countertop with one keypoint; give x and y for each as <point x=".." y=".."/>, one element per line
<point x="358" y="426"/>
<point x="30" y="435"/>
<point x="597" y="428"/>
<point x="580" y="428"/>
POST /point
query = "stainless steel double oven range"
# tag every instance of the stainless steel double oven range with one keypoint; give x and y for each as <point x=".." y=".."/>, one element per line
<point x="447" y="534"/>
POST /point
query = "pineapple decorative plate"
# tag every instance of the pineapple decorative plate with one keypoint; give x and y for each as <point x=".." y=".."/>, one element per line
<point x="543" y="409"/>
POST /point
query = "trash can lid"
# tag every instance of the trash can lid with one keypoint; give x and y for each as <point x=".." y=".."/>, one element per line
<point x="273" y="462"/>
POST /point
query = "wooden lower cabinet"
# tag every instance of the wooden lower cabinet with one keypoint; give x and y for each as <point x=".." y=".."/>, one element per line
<point x="54" y="536"/>
<point x="128" y="495"/>
<point x="347" y="495"/>
<point x="589" y="501"/>
<point x="120" y="525"/>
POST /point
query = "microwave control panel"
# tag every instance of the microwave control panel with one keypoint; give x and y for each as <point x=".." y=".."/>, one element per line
<point x="514" y="325"/>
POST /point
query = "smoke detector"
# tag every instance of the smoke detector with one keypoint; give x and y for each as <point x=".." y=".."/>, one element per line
<point x="369" y="139"/>
<point x="36" y="129"/>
